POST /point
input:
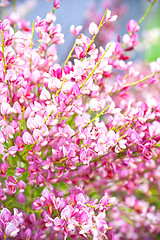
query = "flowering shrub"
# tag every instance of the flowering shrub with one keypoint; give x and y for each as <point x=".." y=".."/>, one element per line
<point x="79" y="143"/>
<point x="108" y="31"/>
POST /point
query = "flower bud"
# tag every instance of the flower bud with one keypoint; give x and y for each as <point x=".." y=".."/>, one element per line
<point x="56" y="4"/>
<point x="93" y="28"/>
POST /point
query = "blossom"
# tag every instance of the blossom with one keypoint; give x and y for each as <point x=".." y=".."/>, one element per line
<point x="110" y="18"/>
<point x="132" y="26"/>
<point x="93" y="28"/>
<point x="56" y="4"/>
<point x="75" y="30"/>
<point x="27" y="138"/>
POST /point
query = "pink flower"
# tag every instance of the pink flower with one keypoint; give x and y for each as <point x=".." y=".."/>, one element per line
<point x="11" y="185"/>
<point x="21" y="185"/>
<point x="155" y="66"/>
<point x="75" y="30"/>
<point x="3" y="168"/>
<point x="6" y="215"/>
<point x="45" y="94"/>
<point x="50" y="18"/>
<point x="1" y="234"/>
<point x="130" y="41"/>
<point x="110" y="18"/>
<point x="5" y="24"/>
<point x="21" y="198"/>
<point x="2" y="196"/>
<point x="5" y="108"/>
<point x="19" y="142"/>
<point x="66" y="212"/>
<point x="2" y="139"/>
<point x="37" y="204"/>
<point x="1" y="55"/>
<point x="79" y="52"/>
<point x="17" y="107"/>
<point x="56" y="71"/>
<point x="93" y="28"/>
<point x="94" y="105"/>
<point x="132" y="26"/>
<point x="37" y="134"/>
<point x="56" y="4"/>
<point x="83" y="218"/>
<point x="58" y="224"/>
<point x="40" y="180"/>
<point x="9" y="131"/>
<point x="80" y="199"/>
<point x="11" y="230"/>
<point x="12" y="150"/>
<point x="111" y="138"/>
<point x="27" y="138"/>
<point x="19" y="171"/>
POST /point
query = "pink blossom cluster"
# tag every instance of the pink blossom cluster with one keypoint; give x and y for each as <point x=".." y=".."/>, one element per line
<point x="109" y="29"/>
<point x="79" y="143"/>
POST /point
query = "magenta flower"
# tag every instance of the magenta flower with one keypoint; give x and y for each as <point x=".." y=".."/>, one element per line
<point x="2" y="195"/>
<point x="21" y="198"/>
<point x="21" y="185"/>
<point x="19" y="171"/>
<point x="19" y="143"/>
<point x="3" y="168"/>
<point x="5" y="215"/>
<point x="1" y="234"/>
<point x="56" y="4"/>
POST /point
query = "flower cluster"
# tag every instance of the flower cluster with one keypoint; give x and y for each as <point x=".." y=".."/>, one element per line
<point x="79" y="143"/>
<point x="108" y="31"/>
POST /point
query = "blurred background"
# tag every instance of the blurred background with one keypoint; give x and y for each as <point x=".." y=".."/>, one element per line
<point x="83" y="12"/>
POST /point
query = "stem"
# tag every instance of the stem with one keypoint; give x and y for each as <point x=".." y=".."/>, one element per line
<point x="32" y="33"/>
<point x="30" y="148"/>
<point x="141" y="20"/>
<point x="95" y="66"/>
<point x="141" y="80"/>
<point x="21" y="158"/>
<point x="100" y="25"/>
<point x="32" y="43"/>
<point x="14" y="5"/>
<point x="60" y="88"/>
<point x="22" y="118"/>
<point x="98" y="115"/>
<point x="134" y="83"/>
<point x="48" y="116"/>
<point x="146" y="13"/>
<point x="69" y="55"/>
<point x="5" y="67"/>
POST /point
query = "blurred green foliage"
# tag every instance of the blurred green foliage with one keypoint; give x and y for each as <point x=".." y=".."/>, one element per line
<point x="153" y="25"/>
